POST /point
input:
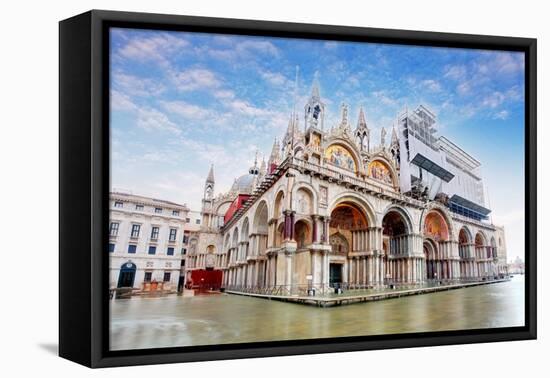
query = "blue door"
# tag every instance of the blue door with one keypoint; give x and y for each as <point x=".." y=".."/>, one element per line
<point x="127" y="275"/>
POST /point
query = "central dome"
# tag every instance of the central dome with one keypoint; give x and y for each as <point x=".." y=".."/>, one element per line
<point x="244" y="183"/>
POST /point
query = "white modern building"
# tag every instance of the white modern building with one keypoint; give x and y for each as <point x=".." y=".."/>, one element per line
<point x="431" y="165"/>
<point x="146" y="242"/>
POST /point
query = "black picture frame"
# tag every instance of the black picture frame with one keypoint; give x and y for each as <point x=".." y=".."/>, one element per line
<point x="84" y="188"/>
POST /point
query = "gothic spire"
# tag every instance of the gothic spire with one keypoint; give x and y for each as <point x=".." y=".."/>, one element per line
<point x="362" y="122"/>
<point x="254" y="169"/>
<point x="362" y="132"/>
<point x="274" y="158"/>
<point x="315" y="92"/>
<point x="314" y="110"/>
<point x="263" y="168"/>
<point x="394" y="138"/>
<point x="210" y="177"/>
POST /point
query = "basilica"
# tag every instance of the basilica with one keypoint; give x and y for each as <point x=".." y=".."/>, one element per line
<point x="333" y="208"/>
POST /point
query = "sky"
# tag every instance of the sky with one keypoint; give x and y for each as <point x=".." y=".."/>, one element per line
<point x="182" y="101"/>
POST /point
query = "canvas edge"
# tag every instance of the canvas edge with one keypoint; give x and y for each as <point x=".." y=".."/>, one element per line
<point x="94" y="355"/>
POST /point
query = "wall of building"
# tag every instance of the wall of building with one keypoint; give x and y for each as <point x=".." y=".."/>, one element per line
<point x="158" y="263"/>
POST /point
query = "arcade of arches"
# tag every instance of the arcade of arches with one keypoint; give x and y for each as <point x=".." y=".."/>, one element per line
<point x="347" y="248"/>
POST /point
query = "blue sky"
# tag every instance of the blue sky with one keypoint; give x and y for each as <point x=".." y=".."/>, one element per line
<point x="181" y="101"/>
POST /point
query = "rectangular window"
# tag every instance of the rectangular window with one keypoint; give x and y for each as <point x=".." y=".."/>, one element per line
<point x="170" y="251"/>
<point x="183" y="251"/>
<point x="147" y="277"/>
<point x="185" y="239"/>
<point x="197" y="221"/>
<point x="154" y="233"/>
<point x="158" y="210"/>
<point x="132" y="248"/>
<point x="135" y="230"/>
<point x="173" y="232"/>
<point x="118" y="204"/>
<point x="152" y="249"/>
<point x="166" y="277"/>
<point x="187" y="220"/>
<point x="111" y="247"/>
<point x="139" y="207"/>
<point x="176" y="213"/>
<point x="113" y="229"/>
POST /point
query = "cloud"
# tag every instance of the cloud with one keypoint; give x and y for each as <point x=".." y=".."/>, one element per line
<point x="455" y="72"/>
<point x="493" y="100"/>
<point x="464" y="88"/>
<point x="275" y="78"/>
<point x="185" y="109"/>
<point x="224" y="94"/>
<point x="238" y="50"/>
<point x="196" y="79"/>
<point x="151" y="119"/>
<point x="508" y="63"/>
<point x="245" y="108"/>
<point x="121" y="101"/>
<point x="146" y="48"/>
<point x="135" y="85"/>
<point x="261" y="46"/>
<point x="431" y="85"/>
<point x="384" y="98"/>
<point x="503" y="115"/>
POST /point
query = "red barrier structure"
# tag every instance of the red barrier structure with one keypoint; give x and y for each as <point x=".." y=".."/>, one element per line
<point x="206" y="280"/>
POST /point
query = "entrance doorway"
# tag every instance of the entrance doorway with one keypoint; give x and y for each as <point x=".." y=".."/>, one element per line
<point x="127" y="275"/>
<point x="335" y="276"/>
<point x="430" y="254"/>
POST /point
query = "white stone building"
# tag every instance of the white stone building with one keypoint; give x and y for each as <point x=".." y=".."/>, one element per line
<point x="146" y="246"/>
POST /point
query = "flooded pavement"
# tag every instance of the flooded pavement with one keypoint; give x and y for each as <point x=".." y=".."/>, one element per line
<point x="218" y="319"/>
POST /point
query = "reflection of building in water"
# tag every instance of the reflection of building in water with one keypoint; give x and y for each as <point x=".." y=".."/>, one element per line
<point x="330" y="208"/>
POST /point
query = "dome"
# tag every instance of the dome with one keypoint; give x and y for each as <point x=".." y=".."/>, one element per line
<point x="244" y="183"/>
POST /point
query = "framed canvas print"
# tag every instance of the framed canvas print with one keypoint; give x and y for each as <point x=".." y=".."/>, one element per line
<point x="234" y="188"/>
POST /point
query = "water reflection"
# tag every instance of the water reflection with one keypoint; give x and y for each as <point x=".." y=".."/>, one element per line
<point x="219" y="319"/>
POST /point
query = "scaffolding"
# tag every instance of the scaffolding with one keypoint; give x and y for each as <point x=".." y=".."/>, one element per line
<point x="419" y="124"/>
